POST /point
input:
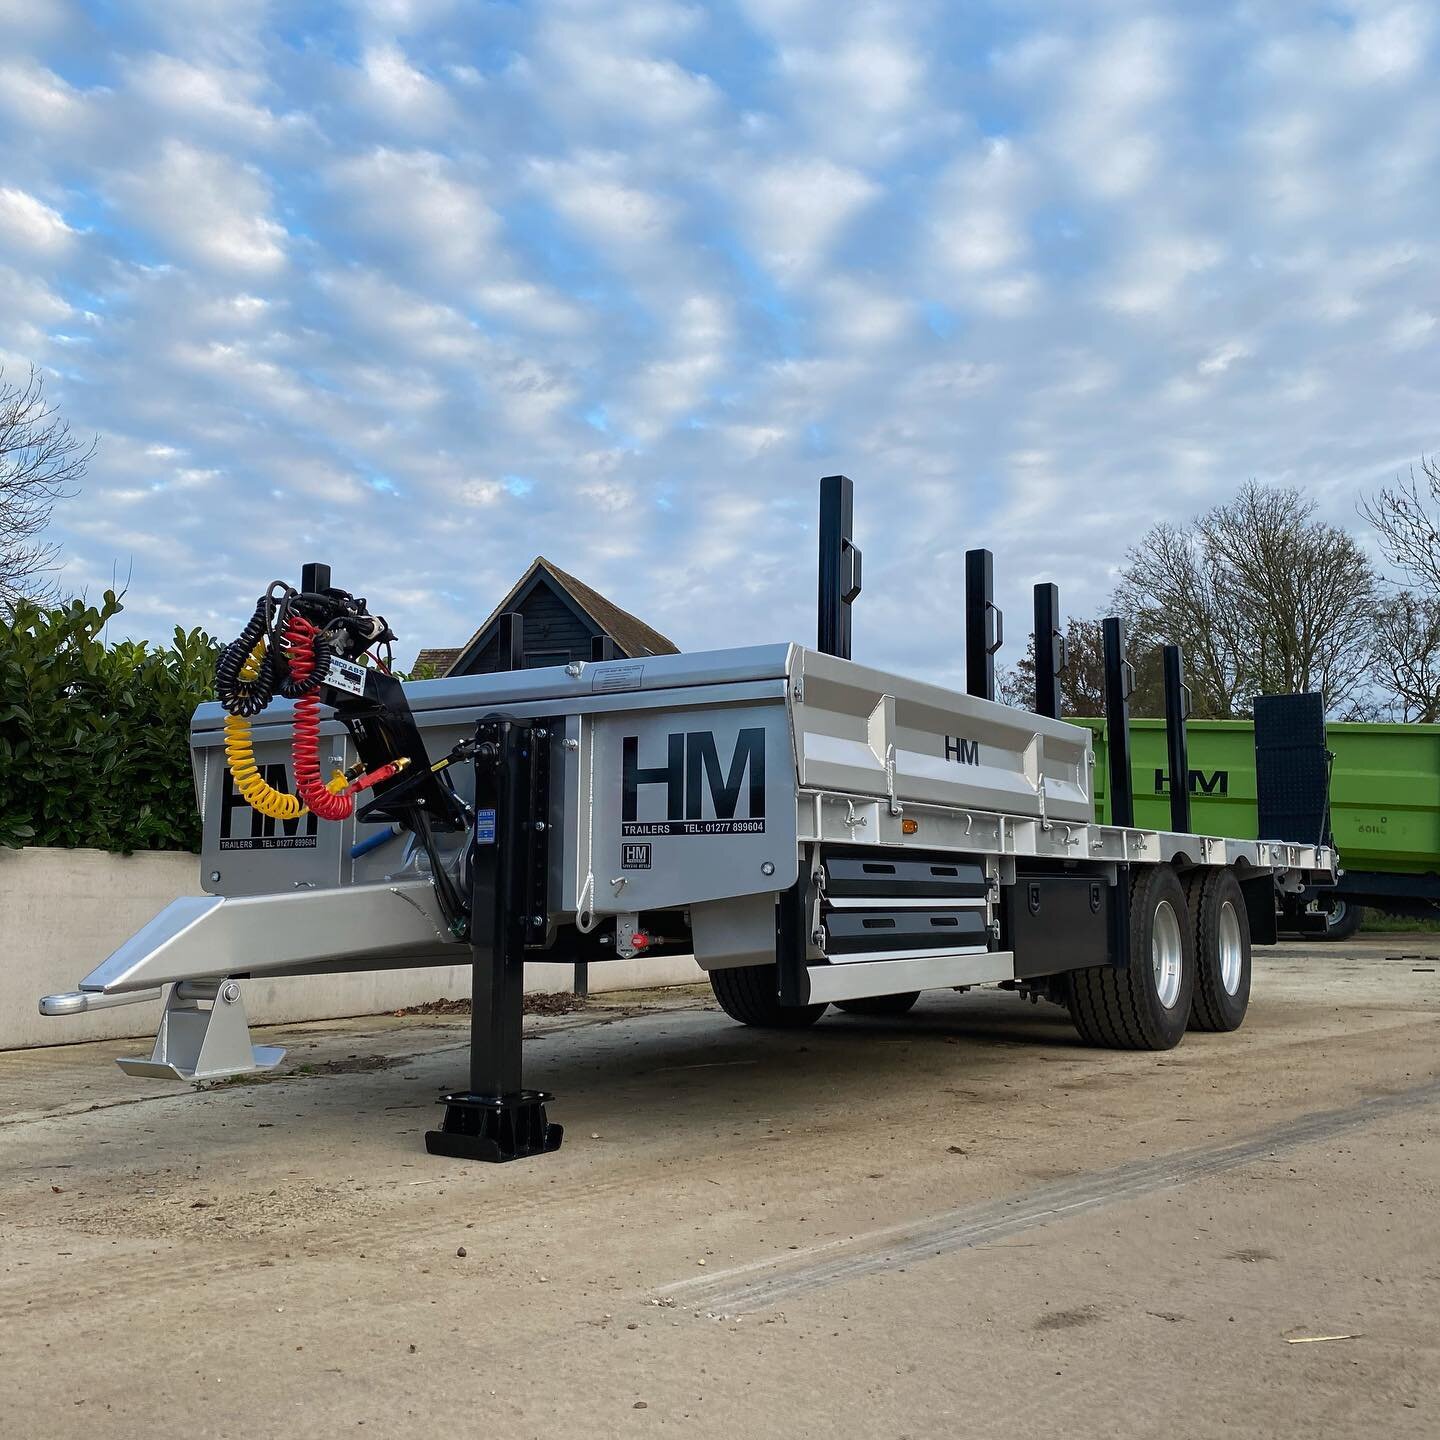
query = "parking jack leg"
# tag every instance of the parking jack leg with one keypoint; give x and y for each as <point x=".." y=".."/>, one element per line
<point x="497" y="1119"/>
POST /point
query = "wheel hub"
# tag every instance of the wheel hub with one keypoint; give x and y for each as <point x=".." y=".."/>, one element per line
<point x="1232" y="949"/>
<point x="1167" y="954"/>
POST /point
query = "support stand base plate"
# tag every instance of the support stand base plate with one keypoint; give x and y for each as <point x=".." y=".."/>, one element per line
<point x="494" y="1128"/>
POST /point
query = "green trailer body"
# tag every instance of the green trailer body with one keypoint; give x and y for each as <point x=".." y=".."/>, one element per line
<point x="1384" y="798"/>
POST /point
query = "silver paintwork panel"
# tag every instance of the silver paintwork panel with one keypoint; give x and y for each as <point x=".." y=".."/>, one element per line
<point x="895" y="976"/>
<point x="836" y="819"/>
<point x="209" y="937"/>
<point x="865" y="732"/>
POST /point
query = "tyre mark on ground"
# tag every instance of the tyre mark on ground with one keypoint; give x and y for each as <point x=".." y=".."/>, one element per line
<point x="765" y="1283"/>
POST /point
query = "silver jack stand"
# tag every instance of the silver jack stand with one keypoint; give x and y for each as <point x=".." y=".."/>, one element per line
<point x="204" y="1035"/>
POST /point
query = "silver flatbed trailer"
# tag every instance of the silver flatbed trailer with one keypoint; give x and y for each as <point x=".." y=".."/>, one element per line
<point x="816" y="831"/>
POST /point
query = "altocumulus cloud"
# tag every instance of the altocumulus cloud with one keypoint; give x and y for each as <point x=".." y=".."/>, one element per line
<point x="424" y="288"/>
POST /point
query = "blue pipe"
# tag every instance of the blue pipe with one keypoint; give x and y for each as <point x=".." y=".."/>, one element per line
<point x="374" y="842"/>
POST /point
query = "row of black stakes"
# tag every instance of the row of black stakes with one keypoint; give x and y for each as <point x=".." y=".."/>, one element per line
<point x="839" y="575"/>
<point x="839" y="587"/>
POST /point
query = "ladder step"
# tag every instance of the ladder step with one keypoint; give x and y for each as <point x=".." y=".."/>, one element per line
<point x="851" y="932"/>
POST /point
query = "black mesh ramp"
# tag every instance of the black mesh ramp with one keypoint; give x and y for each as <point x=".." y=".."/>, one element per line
<point x="1292" y="769"/>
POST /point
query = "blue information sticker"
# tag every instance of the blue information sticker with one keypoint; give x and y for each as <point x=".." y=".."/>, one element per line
<point x="484" y="827"/>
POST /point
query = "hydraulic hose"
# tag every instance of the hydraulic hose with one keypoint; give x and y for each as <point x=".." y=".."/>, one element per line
<point x="240" y="755"/>
<point x="245" y="684"/>
<point x="249" y="672"/>
<point x="305" y="649"/>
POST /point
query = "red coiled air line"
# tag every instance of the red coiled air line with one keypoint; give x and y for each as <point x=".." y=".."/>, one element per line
<point x="300" y="637"/>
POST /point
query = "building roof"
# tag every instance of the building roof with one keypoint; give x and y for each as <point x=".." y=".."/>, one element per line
<point x="630" y="634"/>
<point x="437" y="659"/>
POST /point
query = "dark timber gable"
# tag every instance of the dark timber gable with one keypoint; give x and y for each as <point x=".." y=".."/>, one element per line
<point x="563" y="617"/>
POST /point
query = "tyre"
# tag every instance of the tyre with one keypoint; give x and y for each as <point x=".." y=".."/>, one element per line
<point x="1145" y="1006"/>
<point x="879" y="1004"/>
<point x="747" y="993"/>
<point x="1343" y="919"/>
<point x="1222" y="950"/>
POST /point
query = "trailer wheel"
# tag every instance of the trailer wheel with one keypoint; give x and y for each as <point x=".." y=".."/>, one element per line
<point x="1343" y="919"/>
<point x="1145" y="1006"/>
<point x="747" y="993"/>
<point x="1222" y="950"/>
<point x="879" y="1004"/>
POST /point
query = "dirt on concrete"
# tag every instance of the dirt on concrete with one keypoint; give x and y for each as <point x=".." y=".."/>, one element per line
<point x="557" y="1002"/>
<point x="961" y="1221"/>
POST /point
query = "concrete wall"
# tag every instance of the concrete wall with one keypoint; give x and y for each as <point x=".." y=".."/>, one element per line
<point x="63" y="911"/>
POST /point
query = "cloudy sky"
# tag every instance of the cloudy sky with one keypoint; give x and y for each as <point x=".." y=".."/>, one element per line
<point x="425" y="287"/>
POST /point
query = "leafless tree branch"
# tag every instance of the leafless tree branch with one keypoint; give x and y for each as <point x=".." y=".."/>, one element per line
<point x="41" y="462"/>
<point x="1262" y="597"/>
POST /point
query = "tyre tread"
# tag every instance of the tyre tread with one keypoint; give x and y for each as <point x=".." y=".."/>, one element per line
<point x="1206" y="1013"/>
<point x="1108" y="1005"/>
<point x="747" y="993"/>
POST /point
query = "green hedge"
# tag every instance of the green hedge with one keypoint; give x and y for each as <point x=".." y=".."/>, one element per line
<point x="95" y="738"/>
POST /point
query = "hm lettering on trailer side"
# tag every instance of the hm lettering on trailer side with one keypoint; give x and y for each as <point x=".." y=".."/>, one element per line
<point x="1215" y="783"/>
<point x="692" y="775"/>
<point x="962" y="751"/>
<point x="262" y="828"/>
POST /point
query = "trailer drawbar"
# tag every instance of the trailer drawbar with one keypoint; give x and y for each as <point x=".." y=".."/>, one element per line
<point x="816" y="832"/>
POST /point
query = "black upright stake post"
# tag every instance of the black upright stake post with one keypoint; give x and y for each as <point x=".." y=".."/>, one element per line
<point x="984" y="624"/>
<point x="1049" y="651"/>
<point x="1177" y="712"/>
<point x="511" y="637"/>
<point x="314" y="578"/>
<point x="839" y="565"/>
<point x="496" y="1119"/>
<point x="1118" y="684"/>
<point x="602" y="647"/>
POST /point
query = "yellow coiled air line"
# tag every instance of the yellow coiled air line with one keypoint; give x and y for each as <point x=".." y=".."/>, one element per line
<point x="240" y="757"/>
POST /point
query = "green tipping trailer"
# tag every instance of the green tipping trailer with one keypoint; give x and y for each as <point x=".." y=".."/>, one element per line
<point x="1384" y="804"/>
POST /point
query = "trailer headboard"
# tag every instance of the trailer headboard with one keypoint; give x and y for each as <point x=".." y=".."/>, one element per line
<point x="1292" y="769"/>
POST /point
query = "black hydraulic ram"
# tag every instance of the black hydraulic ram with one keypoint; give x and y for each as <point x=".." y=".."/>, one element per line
<point x="496" y="1119"/>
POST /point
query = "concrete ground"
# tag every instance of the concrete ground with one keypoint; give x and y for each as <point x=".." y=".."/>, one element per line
<point x="962" y="1222"/>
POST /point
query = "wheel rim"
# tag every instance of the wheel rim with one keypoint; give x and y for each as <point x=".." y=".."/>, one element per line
<point x="1167" y="954"/>
<point x="1335" y="916"/>
<point x="1232" y="949"/>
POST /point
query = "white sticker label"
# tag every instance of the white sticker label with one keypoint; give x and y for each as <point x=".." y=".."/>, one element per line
<point x="346" y="675"/>
<point x="616" y="677"/>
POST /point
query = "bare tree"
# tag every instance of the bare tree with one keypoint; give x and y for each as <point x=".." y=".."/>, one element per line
<point x="1407" y="655"/>
<point x="1406" y="520"/>
<point x="1082" y="681"/>
<point x="40" y="462"/>
<point x="1171" y="592"/>
<point x="1406" y="517"/>
<point x="1262" y="597"/>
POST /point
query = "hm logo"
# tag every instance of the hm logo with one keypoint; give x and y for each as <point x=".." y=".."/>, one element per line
<point x="693" y="775"/>
<point x="963" y="752"/>
<point x="261" y="829"/>
<point x="1215" y="783"/>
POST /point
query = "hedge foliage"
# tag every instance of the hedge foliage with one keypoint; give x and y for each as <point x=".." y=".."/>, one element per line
<point x="95" y="738"/>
